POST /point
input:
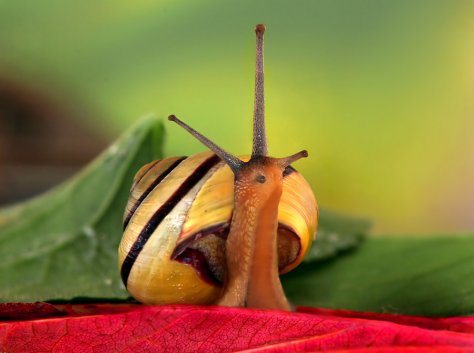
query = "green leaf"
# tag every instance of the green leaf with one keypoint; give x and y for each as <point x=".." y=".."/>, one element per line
<point x="336" y="233"/>
<point x="419" y="276"/>
<point x="64" y="244"/>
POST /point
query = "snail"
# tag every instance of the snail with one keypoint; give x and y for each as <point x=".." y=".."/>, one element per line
<point x="213" y="228"/>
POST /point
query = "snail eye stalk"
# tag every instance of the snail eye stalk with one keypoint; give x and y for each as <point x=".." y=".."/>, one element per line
<point x="286" y="161"/>
<point x="259" y="148"/>
<point x="233" y="162"/>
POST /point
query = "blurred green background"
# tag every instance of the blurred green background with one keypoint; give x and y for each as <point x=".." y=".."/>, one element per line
<point x="380" y="92"/>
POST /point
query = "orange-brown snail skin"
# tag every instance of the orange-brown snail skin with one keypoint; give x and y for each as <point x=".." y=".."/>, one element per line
<point x="251" y="247"/>
<point x="216" y="229"/>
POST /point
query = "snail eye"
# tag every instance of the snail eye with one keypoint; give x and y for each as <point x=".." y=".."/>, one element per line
<point x="260" y="178"/>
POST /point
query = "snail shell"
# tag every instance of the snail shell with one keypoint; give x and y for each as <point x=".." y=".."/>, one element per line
<point x="176" y="222"/>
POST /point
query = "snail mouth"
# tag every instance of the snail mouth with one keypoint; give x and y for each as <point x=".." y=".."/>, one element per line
<point x="205" y="251"/>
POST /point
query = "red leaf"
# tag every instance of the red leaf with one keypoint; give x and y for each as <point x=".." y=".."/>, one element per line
<point x="18" y="311"/>
<point x="459" y="324"/>
<point x="138" y="328"/>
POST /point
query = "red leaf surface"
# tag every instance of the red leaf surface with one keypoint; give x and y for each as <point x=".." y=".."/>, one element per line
<point x="41" y="327"/>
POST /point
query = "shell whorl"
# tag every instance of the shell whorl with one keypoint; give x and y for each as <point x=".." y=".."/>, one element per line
<point x="176" y="222"/>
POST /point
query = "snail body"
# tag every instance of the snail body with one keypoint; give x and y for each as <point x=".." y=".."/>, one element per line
<point x="216" y="229"/>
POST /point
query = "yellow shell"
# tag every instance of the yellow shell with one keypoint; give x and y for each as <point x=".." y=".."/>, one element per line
<point x="176" y="221"/>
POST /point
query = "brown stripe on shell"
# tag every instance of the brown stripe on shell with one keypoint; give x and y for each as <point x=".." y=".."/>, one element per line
<point x="150" y="188"/>
<point x="142" y="172"/>
<point x="162" y="212"/>
<point x="288" y="170"/>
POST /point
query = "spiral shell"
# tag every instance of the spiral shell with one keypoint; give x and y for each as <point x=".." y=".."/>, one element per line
<point x="176" y="222"/>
